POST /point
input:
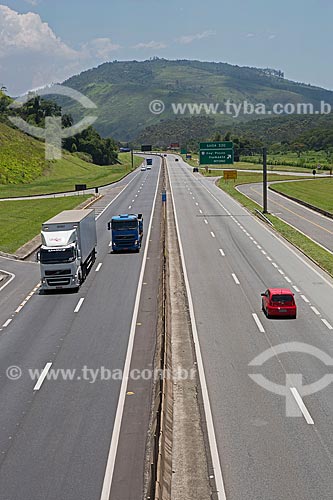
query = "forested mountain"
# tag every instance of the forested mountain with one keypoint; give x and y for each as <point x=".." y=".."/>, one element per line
<point x="123" y="91"/>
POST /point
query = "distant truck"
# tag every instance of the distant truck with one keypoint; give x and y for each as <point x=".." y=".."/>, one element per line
<point x="149" y="162"/>
<point x="126" y="232"/>
<point x="68" y="249"/>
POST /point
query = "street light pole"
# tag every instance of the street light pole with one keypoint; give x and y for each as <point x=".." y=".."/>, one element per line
<point x="264" y="179"/>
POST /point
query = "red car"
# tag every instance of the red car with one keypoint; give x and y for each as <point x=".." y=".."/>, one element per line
<point x="279" y="302"/>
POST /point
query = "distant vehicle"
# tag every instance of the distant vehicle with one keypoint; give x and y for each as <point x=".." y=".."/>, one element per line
<point x="279" y="302"/>
<point x="176" y="159"/>
<point x="149" y="162"/>
<point x="126" y="232"/>
<point x="165" y="155"/>
<point x="68" y="249"/>
<point x="124" y="150"/>
<point x="143" y="168"/>
<point x="195" y="169"/>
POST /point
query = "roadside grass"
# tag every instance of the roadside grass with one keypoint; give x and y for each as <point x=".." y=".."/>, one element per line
<point x="241" y="165"/>
<point x="323" y="258"/>
<point x="20" y="220"/>
<point x="310" y="159"/>
<point x="317" y="192"/>
<point x="71" y="170"/>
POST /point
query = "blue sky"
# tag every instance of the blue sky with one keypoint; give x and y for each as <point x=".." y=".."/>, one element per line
<point x="294" y="36"/>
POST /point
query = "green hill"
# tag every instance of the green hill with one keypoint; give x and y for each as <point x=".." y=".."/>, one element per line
<point x="24" y="170"/>
<point x="123" y="91"/>
<point x="22" y="158"/>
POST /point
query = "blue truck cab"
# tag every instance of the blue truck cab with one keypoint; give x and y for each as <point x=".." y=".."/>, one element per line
<point x="126" y="232"/>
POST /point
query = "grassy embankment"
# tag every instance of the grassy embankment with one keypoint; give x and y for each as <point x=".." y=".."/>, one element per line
<point x="24" y="170"/>
<point x="318" y="192"/>
<point x="20" y="221"/>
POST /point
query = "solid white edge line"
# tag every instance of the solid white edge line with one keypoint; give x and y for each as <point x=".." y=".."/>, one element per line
<point x="42" y="377"/>
<point x="79" y="304"/>
<point x="302" y="406"/>
<point x="12" y="276"/>
<point x="99" y="267"/>
<point x="7" y="323"/>
<point x="107" y="482"/>
<point x="114" y="199"/>
<point x="236" y="280"/>
<point x="258" y="323"/>
<point x="326" y="323"/>
<point x="207" y="408"/>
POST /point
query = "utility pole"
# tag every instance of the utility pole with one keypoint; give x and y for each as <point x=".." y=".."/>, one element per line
<point x="132" y="157"/>
<point x="264" y="179"/>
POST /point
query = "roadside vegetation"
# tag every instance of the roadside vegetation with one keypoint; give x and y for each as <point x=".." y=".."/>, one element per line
<point x="244" y="165"/>
<point x="87" y="157"/>
<point x="323" y="258"/>
<point x="318" y="192"/>
<point x="62" y="175"/>
<point x="20" y="221"/>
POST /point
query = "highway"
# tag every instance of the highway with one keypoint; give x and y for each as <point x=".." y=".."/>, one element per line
<point x="230" y="258"/>
<point x="59" y="437"/>
<point x="313" y="224"/>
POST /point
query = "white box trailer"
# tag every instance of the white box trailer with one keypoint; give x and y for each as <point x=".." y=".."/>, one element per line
<point x="68" y="249"/>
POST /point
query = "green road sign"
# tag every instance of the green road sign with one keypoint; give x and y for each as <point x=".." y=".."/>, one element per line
<point x="216" y="157"/>
<point x="217" y="145"/>
<point x="183" y="151"/>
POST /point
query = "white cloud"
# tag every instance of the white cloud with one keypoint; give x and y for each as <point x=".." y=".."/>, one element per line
<point x="101" y="48"/>
<point x="31" y="55"/>
<point x="32" y="2"/>
<point x="150" y="45"/>
<point x="27" y="32"/>
<point x="186" y="39"/>
<point x="271" y="37"/>
<point x="250" y="35"/>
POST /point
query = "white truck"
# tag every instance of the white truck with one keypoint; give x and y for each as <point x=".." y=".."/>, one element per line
<point x="68" y="249"/>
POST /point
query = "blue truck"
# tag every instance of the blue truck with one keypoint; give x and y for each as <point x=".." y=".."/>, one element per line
<point x="126" y="232"/>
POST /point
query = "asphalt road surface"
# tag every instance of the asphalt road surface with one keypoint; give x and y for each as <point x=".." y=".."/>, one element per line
<point x="313" y="224"/>
<point x="230" y="259"/>
<point x="58" y="437"/>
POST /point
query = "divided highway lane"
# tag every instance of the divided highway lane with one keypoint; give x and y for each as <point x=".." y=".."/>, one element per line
<point x="26" y="275"/>
<point x="55" y="438"/>
<point x="231" y="258"/>
<point x="23" y="277"/>
<point x="313" y="224"/>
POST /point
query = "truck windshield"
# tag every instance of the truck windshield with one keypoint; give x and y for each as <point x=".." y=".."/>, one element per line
<point x="124" y="224"/>
<point x="57" y="256"/>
